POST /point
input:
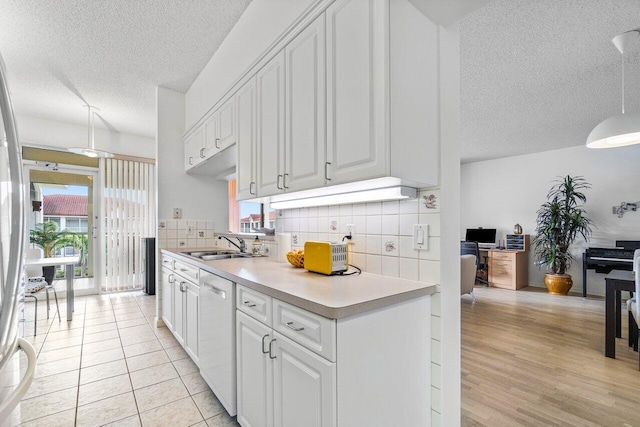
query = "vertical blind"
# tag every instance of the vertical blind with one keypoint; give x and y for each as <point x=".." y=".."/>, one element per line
<point x="129" y="202"/>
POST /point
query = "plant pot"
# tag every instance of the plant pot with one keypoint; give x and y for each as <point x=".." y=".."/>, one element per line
<point x="49" y="273"/>
<point x="558" y="284"/>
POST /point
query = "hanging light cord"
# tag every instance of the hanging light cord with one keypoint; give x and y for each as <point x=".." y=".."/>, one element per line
<point x="622" y="82"/>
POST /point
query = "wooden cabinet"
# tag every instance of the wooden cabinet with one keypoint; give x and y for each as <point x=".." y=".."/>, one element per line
<point x="305" y="135"/>
<point x="255" y="372"/>
<point x="508" y="269"/>
<point x="246" y="142"/>
<point x="270" y="126"/>
<point x="190" y="298"/>
<point x="357" y="84"/>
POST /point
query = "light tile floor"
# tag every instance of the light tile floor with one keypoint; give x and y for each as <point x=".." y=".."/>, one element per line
<point x="110" y="366"/>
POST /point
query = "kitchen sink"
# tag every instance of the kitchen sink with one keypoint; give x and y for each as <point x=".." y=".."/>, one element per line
<point x="224" y="256"/>
<point x="200" y="254"/>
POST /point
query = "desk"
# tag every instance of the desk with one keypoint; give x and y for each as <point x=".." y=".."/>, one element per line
<point x="615" y="282"/>
<point x="69" y="262"/>
<point x="506" y="268"/>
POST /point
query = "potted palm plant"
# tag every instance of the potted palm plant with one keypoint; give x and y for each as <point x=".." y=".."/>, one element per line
<point x="560" y="221"/>
<point x="47" y="237"/>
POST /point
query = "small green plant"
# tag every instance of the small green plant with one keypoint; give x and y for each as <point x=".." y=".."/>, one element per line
<point x="560" y="221"/>
<point x="47" y="236"/>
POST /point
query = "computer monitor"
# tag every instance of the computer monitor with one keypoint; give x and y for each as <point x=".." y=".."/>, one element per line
<point x="481" y="235"/>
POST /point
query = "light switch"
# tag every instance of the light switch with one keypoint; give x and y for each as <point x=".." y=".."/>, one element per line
<point x="421" y="237"/>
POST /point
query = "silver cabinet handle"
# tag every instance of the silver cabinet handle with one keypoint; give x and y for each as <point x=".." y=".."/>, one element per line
<point x="284" y="181"/>
<point x="171" y="278"/>
<point x="217" y="143"/>
<point x="202" y="153"/>
<point x="278" y="183"/>
<point x="216" y="291"/>
<point x="326" y="171"/>
<point x="190" y="160"/>
<point x="291" y="326"/>
<point x="270" y="345"/>
<point x="263" y="350"/>
<point x="251" y="188"/>
<point x="181" y="287"/>
<point x="249" y="303"/>
<point x="184" y="269"/>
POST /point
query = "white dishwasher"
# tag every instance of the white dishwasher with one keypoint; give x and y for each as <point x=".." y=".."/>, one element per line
<point x="218" y="338"/>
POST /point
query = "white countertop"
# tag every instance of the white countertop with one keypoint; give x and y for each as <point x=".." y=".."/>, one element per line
<point x="333" y="297"/>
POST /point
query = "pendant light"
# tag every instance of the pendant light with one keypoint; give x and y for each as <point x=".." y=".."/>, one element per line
<point x="623" y="129"/>
<point x="91" y="151"/>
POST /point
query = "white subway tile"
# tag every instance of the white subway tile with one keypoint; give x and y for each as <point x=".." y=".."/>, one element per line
<point x="295" y="224"/>
<point x="295" y="213"/>
<point x="162" y="233"/>
<point x="433" y="220"/>
<point x="433" y="252"/>
<point x="359" y="209"/>
<point x="303" y="213"/>
<point x="374" y="264"/>
<point x="313" y="212"/>
<point x="359" y="260"/>
<point x="389" y="266"/>
<point x="406" y="223"/>
<point x="390" y="224"/>
<point x="210" y="225"/>
<point x="304" y="224"/>
<point x="374" y="224"/>
<point x="334" y="224"/>
<point x="430" y="271"/>
<point x="409" y="206"/>
<point x="406" y="247"/>
<point x="334" y="211"/>
<point x="201" y="225"/>
<point x="171" y="224"/>
<point x="408" y="268"/>
<point x="360" y="222"/>
<point x="313" y="224"/>
<point x="374" y="208"/>
<point x="323" y="211"/>
<point x="346" y="210"/>
<point x="342" y="224"/>
<point x="373" y="245"/>
<point x="430" y="201"/>
<point x="390" y="246"/>
<point x="391" y="207"/>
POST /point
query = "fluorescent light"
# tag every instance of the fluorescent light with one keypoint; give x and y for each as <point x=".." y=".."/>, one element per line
<point x="371" y="195"/>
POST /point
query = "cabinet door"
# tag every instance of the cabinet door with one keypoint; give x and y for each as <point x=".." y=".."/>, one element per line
<point x="192" y="149"/>
<point x="305" y="109"/>
<point x="246" y="141"/>
<point x="167" y="298"/>
<point x="255" y="372"/>
<point x="226" y="124"/>
<point x="304" y="386"/>
<point x="178" y="309"/>
<point x="211" y="140"/>
<point x="270" y="114"/>
<point x="357" y="90"/>
<point x="191" y="316"/>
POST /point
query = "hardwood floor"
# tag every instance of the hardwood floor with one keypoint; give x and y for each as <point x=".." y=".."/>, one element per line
<point x="533" y="359"/>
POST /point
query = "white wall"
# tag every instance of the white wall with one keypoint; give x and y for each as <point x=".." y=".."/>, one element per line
<point x="50" y="133"/>
<point x="201" y="197"/>
<point x="500" y="193"/>
<point x="259" y="26"/>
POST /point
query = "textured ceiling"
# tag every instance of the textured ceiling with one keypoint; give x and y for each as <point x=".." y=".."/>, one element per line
<point x="61" y="54"/>
<point x="538" y="75"/>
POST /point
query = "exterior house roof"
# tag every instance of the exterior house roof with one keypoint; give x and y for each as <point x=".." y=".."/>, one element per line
<point x="64" y="205"/>
<point x="256" y="218"/>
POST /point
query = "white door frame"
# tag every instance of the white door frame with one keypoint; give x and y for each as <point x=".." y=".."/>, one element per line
<point x="98" y="221"/>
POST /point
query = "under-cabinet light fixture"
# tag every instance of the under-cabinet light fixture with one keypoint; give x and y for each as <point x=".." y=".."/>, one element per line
<point x="398" y="192"/>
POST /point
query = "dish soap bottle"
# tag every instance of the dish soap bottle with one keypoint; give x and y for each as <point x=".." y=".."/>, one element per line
<point x="256" y="250"/>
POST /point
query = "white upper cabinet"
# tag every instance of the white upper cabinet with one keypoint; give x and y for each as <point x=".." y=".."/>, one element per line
<point x="193" y="147"/>
<point x="227" y="124"/>
<point x="270" y="128"/>
<point x="357" y="55"/>
<point x="246" y="141"/>
<point x="305" y="151"/>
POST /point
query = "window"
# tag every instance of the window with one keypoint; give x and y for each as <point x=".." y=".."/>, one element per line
<point x="244" y="217"/>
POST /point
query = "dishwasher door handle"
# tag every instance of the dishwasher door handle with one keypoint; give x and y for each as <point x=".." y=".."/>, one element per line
<point x="222" y="294"/>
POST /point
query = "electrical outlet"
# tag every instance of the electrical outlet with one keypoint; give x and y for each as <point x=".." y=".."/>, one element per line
<point x="177" y="213"/>
<point x="351" y="230"/>
<point x="189" y="229"/>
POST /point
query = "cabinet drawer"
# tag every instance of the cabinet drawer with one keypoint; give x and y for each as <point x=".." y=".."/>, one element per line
<point x="187" y="271"/>
<point x="501" y="276"/>
<point x="167" y="262"/>
<point x="501" y="255"/>
<point x="254" y="304"/>
<point x="504" y="264"/>
<point x="314" y="332"/>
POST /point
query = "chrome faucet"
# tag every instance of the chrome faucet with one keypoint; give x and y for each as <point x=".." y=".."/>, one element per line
<point x="242" y="246"/>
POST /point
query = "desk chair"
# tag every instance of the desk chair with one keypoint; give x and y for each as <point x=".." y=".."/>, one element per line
<point x="35" y="271"/>
<point x="468" y="271"/>
<point x="471" y="248"/>
<point x="632" y="304"/>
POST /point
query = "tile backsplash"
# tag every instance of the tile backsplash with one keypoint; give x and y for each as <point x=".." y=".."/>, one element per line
<point x="183" y="233"/>
<point x="383" y="242"/>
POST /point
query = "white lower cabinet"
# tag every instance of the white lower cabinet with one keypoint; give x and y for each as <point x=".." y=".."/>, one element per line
<point x="167" y="297"/>
<point x="280" y="383"/>
<point x="254" y="371"/>
<point x="178" y="309"/>
<point x="191" y="295"/>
